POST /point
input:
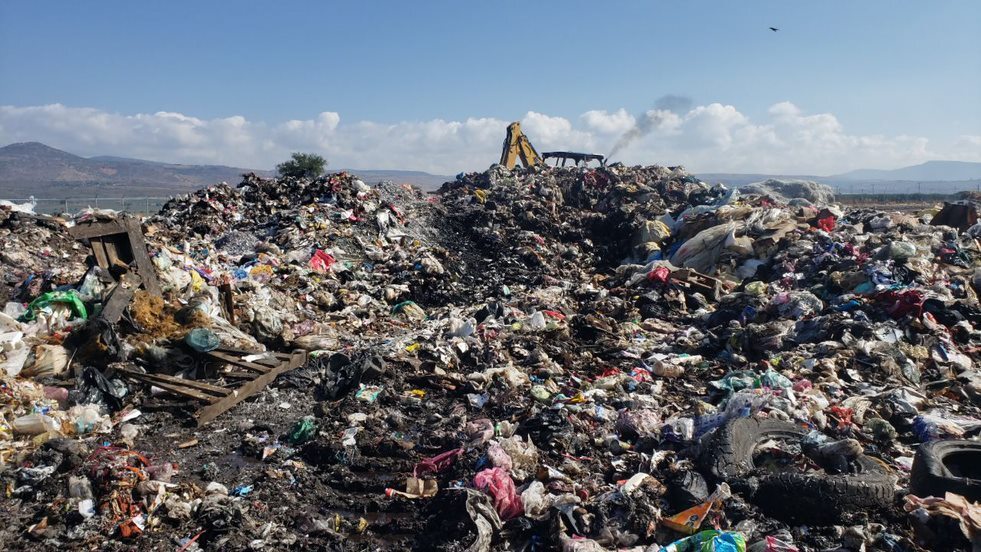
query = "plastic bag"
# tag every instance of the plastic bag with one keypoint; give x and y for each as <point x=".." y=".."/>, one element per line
<point x="49" y="360"/>
<point x="97" y="389"/>
<point x="688" y="521"/>
<point x="536" y="501"/>
<point x="202" y="340"/>
<point x="35" y="424"/>
<point x="523" y="456"/>
<point x="702" y="251"/>
<point x="13" y="352"/>
<point x="69" y="298"/>
<point x="709" y="541"/>
<point x="92" y="288"/>
<point x="410" y="309"/>
<point x="89" y="419"/>
<point x="303" y="430"/>
<point x="497" y="483"/>
<point x="498" y="457"/>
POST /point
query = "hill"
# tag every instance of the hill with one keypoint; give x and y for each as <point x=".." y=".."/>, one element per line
<point x="933" y="171"/>
<point x="35" y="169"/>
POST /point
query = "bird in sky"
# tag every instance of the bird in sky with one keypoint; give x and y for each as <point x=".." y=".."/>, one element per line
<point x="774" y="29"/>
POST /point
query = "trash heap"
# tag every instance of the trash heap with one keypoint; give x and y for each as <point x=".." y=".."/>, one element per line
<point x="622" y="358"/>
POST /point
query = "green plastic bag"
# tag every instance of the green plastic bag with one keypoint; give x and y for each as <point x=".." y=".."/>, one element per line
<point x="709" y="541"/>
<point x="302" y="431"/>
<point x="70" y="297"/>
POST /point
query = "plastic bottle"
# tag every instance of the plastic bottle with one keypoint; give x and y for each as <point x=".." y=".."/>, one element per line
<point x="668" y="370"/>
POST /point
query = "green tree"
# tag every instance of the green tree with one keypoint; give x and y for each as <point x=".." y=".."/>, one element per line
<point x="305" y="165"/>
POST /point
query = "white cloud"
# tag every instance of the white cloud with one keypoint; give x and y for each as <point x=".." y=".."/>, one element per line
<point x="602" y="122"/>
<point x="705" y="138"/>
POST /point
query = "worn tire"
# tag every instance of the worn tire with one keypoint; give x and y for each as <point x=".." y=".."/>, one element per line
<point x="826" y="498"/>
<point x="728" y="453"/>
<point x="728" y="456"/>
<point x="932" y="474"/>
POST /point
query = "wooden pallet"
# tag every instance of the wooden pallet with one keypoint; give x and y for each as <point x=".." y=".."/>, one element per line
<point x="217" y="399"/>
<point x="711" y="288"/>
<point x="116" y="244"/>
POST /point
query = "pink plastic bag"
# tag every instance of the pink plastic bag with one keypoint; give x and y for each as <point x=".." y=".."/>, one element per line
<point x="497" y="483"/>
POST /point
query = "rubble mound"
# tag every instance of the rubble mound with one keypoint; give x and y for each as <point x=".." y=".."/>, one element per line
<point x="611" y="358"/>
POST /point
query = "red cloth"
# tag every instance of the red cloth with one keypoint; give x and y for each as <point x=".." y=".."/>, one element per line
<point x="659" y="274"/>
<point x="321" y="262"/>
<point x="437" y="463"/>
<point x="827" y="223"/>
<point x="900" y="303"/>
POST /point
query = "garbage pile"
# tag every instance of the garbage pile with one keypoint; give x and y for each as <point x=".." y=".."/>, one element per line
<point x="620" y="358"/>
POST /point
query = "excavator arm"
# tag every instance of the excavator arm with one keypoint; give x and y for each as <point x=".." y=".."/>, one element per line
<point x="517" y="146"/>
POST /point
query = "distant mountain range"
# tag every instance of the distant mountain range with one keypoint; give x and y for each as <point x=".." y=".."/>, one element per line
<point x="929" y="171"/>
<point x="932" y="177"/>
<point x="35" y="169"/>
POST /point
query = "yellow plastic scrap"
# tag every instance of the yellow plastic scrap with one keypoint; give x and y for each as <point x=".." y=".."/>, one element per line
<point x="197" y="282"/>
<point x="578" y="399"/>
<point x="417" y="393"/>
<point x="257" y="272"/>
<point x="362" y="525"/>
<point x="413" y="347"/>
<point x="481" y="195"/>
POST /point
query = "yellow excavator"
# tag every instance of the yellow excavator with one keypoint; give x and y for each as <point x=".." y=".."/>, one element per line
<point x="518" y="146"/>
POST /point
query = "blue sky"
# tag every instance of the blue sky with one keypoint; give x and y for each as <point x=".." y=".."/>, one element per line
<point x="900" y="79"/>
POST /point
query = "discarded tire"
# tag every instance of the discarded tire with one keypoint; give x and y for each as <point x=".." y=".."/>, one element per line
<point x="728" y="456"/>
<point x="728" y="453"/>
<point x="947" y="466"/>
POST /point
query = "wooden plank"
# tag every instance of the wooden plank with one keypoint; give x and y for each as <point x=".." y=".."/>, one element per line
<point x="237" y="375"/>
<point x="271" y="362"/>
<point x="112" y="255"/>
<point x="144" y="266"/>
<point x="186" y="392"/>
<point x="96" y="229"/>
<point x="227" y="301"/>
<point x="171" y="380"/>
<point x="212" y="411"/>
<point x="119" y="299"/>
<point x="239" y="362"/>
<point x="238" y="351"/>
<point x="99" y="253"/>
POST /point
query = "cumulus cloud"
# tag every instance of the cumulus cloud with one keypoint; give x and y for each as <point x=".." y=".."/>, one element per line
<point x="603" y="122"/>
<point x="705" y="138"/>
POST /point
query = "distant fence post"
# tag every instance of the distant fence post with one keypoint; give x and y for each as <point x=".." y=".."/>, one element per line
<point x="66" y="206"/>
<point x="147" y="210"/>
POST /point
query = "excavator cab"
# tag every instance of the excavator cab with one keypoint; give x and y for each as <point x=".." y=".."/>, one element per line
<point x="517" y="146"/>
<point x="576" y="158"/>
